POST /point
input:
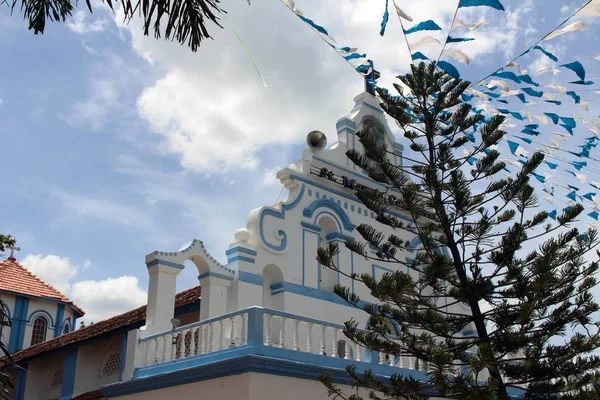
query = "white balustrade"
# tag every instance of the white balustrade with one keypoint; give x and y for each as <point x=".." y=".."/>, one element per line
<point x="195" y="339"/>
<point x="280" y="331"/>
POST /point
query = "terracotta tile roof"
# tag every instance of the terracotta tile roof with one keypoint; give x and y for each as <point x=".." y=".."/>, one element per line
<point x="99" y="328"/>
<point x="17" y="279"/>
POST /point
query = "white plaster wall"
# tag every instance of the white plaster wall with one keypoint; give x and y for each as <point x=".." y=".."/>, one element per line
<point x="36" y="305"/>
<point x="248" y="386"/>
<point x="235" y="387"/>
<point x="9" y="300"/>
<point x="38" y="378"/>
<point x="90" y="361"/>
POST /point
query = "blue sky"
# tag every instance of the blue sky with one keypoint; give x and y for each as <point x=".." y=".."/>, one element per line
<point x="115" y="145"/>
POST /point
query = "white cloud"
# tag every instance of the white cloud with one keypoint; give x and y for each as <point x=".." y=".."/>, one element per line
<point x="270" y="178"/>
<point x="211" y="110"/>
<point x="102" y="208"/>
<point x="55" y="270"/>
<point x="106" y="298"/>
<point x="100" y="299"/>
<point x="79" y="23"/>
<point x="94" y="110"/>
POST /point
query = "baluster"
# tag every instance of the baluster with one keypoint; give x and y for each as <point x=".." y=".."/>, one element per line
<point x="148" y="353"/>
<point x="232" y="337"/>
<point x="202" y="346"/>
<point x="322" y="352"/>
<point x="425" y="366"/>
<point x="156" y="353"/>
<point x="244" y="339"/>
<point x="358" y="350"/>
<point x="309" y="338"/>
<point x="411" y="362"/>
<point x="184" y="346"/>
<point x="195" y="341"/>
<point x="222" y="341"/>
<point x="295" y="344"/>
<point x="400" y="363"/>
<point x="210" y="346"/>
<point x="282" y="332"/>
<point x="347" y="350"/>
<point x="268" y="331"/>
<point x="381" y="358"/>
<point x="391" y="359"/>
<point x="334" y="352"/>
<point x="167" y="344"/>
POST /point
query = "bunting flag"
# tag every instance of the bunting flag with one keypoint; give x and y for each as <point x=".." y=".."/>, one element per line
<point x="575" y="26"/>
<point x="546" y="99"/>
<point x="475" y="3"/>
<point x="473" y="26"/>
<point x="423" y="26"/>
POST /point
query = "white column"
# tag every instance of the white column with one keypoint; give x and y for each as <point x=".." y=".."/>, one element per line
<point x="214" y="295"/>
<point x="161" y="298"/>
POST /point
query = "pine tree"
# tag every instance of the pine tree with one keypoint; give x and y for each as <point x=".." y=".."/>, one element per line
<point x="524" y="283"/>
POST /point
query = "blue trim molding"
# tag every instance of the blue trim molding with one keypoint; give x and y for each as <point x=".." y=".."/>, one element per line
<point x="241" y="258"/>
<point x="21" y="382"/>
<point x="123" y="355"/>
<point x="60" y="314"/>
<point x="249" y="277"/>
<point x="345" y="195"/>
<point x="374" y="269"/>
<point x="69" y="371"/>
<point x="311" y="227"/>
<point x="279" y="215"/>
<point x="277" y="288"/>
<point x="163" y="262"/>
<point x="345" y="121"/>
<point x="214" y="274"/>
<point x="330" y="204"/>
<point x="365" y="104"/>
<point x="17" y="331"/>
<point x="239" y="249"/>
<point x="338" y="236"/>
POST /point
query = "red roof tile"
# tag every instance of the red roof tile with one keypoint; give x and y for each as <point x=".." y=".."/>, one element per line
<point x="17" y="279"/>
<point x="131" y="317"/>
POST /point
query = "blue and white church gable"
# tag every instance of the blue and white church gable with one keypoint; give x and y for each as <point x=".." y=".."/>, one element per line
<point x="272" y="262"/>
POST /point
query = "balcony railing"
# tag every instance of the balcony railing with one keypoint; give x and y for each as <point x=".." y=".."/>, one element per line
<point x="258" y="326"/>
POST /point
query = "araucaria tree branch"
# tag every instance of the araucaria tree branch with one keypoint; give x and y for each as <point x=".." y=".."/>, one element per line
<point x="497" y="302"/>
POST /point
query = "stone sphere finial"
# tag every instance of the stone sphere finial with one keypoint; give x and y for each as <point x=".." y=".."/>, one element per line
<point x="242" y="235"/>
<point x="316" y="140"/>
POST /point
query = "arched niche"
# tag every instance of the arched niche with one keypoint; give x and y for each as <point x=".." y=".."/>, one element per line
<point x="163" y="268"/>
<point x="273" y="289"/>
<point x="328" y="223"/>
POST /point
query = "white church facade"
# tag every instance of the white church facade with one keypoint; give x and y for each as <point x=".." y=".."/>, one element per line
<point x="260" y="327"/>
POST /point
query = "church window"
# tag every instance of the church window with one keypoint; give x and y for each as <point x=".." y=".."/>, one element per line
<point x="66" y="329"/>
<point x="38" y="335"/>
<point x="56" y="380"/>
<point x="112" y="364"/>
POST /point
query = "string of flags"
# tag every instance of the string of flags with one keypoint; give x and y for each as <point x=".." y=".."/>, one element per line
<point x="549" y="116"/>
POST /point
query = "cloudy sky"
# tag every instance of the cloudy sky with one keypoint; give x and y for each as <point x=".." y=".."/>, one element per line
<point x="115" y="145"/>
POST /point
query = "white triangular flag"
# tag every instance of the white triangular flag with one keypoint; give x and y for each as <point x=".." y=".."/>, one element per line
<point x="575" y="26"/>
<point x="590" y="10"/>
<point x="425" y="40"/>
<point x="471" y="27"/>
<point x="457" y="54"/>
<point x="548" y="69"/>
<point x="402" y="14"/>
